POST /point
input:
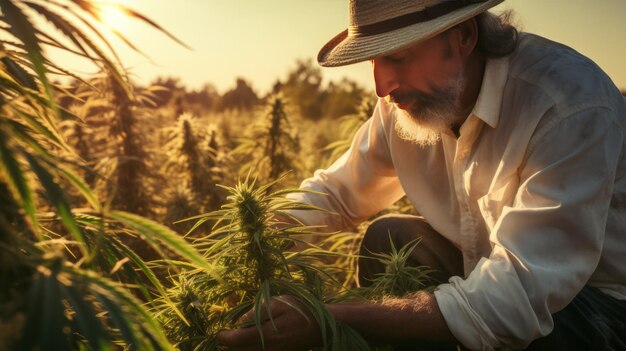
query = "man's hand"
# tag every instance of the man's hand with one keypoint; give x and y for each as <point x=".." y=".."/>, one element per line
<point x="293" y="328"/>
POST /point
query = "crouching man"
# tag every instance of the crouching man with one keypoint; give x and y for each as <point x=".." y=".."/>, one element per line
<point x="511" y="147"/>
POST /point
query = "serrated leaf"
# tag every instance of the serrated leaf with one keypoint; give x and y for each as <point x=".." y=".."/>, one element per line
<point x="78" y="182"/>
<point x="86" y="321"/>
<point x="121" y="297"/>
<point x="19" y="73"/>
<point x="56" y="196"/>
<point x="152" y="278"/>
<point x="18" y="181"/>
<point x="23" y="29"/>
<point x="152" y="230"/>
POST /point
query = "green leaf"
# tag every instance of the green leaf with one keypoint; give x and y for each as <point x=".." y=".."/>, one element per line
<point x="24" y="134"/>
<point x="56" y="196"/>
<point x="153" y="279"/>
<point x="152" y="230"/>
<point x="60" y="23"/>
<point x="120" y="319"/>
<point x="36" y="125"/>
<point x="109" y="65"/>
<point x="133" y="13"/>
<point x="85" y="319"/>
<point x="117" y="296"/>
<point x="78" y="182"/>
<point x="18" y="181"/>
<point x="22" y="29"/>
<point x="19" y="73"/>
<point x="46" y="318"/>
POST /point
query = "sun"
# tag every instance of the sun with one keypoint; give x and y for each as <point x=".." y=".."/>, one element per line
<point x="113" y="16"/>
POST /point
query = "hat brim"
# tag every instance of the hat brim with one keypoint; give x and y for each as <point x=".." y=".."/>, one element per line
<point x="344" y="49"/>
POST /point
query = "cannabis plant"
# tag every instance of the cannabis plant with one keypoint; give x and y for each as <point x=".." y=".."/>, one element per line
<point x="192" y="163"/>
<point x="65" y="276"/>
<point x="253" y="240"/>
<point x="121" y="163"/>
<point x="399" y="278"/>
<point x="272" y="146"/>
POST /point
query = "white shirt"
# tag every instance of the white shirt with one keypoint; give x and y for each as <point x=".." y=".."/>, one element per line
<point x="533" y="192"/>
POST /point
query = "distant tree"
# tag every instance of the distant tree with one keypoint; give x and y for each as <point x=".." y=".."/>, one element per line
<point x="240" y="98"/>
<point x="203" y="99"/>
<point x="170" y="86"/>
<point x="303" y="89"/>
<point x="349" y="126"/>
<point x="342" y="98"/>
<point x="277" y="87"/>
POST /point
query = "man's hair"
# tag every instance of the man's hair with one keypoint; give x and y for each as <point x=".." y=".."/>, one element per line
<point x="497" y="36"/>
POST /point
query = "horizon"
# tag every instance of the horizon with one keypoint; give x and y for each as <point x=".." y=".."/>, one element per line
<point x="247" y="39"/>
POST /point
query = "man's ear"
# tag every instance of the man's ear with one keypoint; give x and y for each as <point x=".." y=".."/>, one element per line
<point x="467" y="39"/>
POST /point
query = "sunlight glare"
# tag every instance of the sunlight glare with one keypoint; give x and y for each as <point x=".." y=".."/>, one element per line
<point x="113" y="17"/>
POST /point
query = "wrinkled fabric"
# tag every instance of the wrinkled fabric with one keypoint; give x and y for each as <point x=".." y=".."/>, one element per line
<point x="533" y="192"/>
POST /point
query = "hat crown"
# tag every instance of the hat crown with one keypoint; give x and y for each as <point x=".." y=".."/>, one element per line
<point x="378" y="27"/>
<point x="367" y="12"/>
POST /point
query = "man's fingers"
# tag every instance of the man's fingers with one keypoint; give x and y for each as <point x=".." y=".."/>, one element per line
<point x="249" y="316"/>
<point x="246" y="317"/>
<point x="239" y="338"/>
<point x="275" y="308"/>
<point x="291" y="328"/>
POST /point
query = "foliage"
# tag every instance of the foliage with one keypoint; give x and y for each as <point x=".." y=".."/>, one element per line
<point x="203" y="99"/>
<point x="81" y="160"/>
<point x="304" y="86"/>
<point x="110" y="139"/>
<point x="251" y="240"/>
<point x="342" y="98"/>
<point x="349" y="125"/>
<point x="193" y="163"/>
<point x="169" y="88"/>
<point x="65" y="274"/>
<point x="241" y="98"/>
<point x="399" y="278"/>
<point x="272" y="146"/>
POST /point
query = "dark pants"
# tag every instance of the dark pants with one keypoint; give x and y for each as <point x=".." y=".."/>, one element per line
<point x="592" y="321"/>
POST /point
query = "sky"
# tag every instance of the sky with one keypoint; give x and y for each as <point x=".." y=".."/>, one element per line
<point x="260" y="40"/>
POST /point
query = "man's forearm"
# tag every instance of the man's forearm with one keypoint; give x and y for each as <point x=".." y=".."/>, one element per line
<point x="415" y="319"/>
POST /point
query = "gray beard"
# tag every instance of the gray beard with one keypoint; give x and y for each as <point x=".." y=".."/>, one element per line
<point x="430" y="113"/>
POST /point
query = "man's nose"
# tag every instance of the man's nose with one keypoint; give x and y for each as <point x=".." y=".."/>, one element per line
<point x="385" y="78"/>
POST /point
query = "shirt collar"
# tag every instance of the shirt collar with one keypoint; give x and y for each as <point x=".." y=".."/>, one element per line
<point x="489" y="99"/>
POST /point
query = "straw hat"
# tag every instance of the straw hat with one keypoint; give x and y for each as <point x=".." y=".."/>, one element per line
<point x="380" y="27"/>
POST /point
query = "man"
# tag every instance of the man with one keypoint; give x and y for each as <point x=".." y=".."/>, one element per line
<point x="511" y="148"/>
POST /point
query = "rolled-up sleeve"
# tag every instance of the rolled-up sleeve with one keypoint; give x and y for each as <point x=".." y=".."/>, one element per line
<point x="548" y="242"/>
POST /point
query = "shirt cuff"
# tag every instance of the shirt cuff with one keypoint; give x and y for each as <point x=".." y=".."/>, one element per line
<point x="464" y="323"/>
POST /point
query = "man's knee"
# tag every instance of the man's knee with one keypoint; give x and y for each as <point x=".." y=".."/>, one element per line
<point x="433" y="251"/>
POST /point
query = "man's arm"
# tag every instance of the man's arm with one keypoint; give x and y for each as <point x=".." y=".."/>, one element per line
<point x="415" y="319"/>
<point x="411" y="320"/>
